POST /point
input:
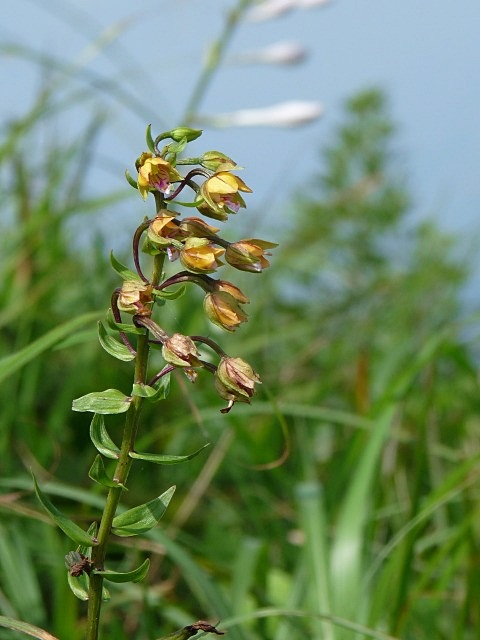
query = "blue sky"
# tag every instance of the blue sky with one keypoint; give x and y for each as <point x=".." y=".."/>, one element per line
<point x="426" y="55"/>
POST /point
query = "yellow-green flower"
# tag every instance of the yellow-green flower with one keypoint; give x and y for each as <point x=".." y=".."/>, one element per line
<point x="200" y="256"/>
<point x="223" y="310"/>
<point x="162" y="229"/>
<point x="155" y="173"/>
<point x="197" y="227"/>
<point x="135" y="297"/>
<point x="219" y="195"/>
<point x="249" y="255"/>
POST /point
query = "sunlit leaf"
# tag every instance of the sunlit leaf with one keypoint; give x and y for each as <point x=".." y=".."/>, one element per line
<point x="142" y="518"/>
<point x="100" y="438"/>
<point x="111" y="401"/>
<point x="114" y="347"/>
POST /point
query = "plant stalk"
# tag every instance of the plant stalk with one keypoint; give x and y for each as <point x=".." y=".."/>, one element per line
<point x="122" y="470"/>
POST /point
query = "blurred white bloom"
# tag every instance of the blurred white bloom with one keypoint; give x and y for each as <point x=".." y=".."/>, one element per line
<point x="278" y="53"/>
<point x="270" y="9"/>
<point x="285" y="114"/>
<point x="274" y="8"/>
<point x="309" y="4"/>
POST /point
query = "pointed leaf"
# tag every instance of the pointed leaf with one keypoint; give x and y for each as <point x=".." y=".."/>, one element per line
<point x="121" y="326"/>
<point x="101" y="440"/>
<point x="114" y="347"/>
<point x="170" y="295"/>
<point x="142" y="518"/>
<point x="130" y="180"/>
<point x="151" y="393"/>
<point x="72" y="530"/>
<point x="80" y="586"/>
<point x="26" y="628"/>
<point x="149" y="139"/>
<point x="123" y="271"/>
<point x="158" y="458"/>
<point x="143" y="390"/>
<point x="98" y="474"/>
<point x="129" y="576"/>
<point x="110" y="401"/>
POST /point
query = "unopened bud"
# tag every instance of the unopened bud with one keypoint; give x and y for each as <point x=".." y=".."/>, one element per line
<point x="235" y="381"/>
<point x="180" y="133"/>
<point x="217" y="161"/>
<point x="180" y="351"/>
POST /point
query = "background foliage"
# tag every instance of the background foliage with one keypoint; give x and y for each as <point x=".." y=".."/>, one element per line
<point x="343" y="502"/>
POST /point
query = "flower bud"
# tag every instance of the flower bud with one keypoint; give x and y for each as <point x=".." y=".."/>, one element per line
<point x="235" y="381"/>
<point x="196" y="227"/>
<point x="249" y="255"/>
<point x="200" y="256"/>
<point x="180" y="351"/>
<point x="223" y="310"/>
<point x="228" y="287"/>
<point x="135" y="297"/>
<point x="217" y="161"/>
<point x="179" y="133"/>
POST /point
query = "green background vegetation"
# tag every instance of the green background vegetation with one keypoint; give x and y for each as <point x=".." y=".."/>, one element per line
<point x="343" y="503"/>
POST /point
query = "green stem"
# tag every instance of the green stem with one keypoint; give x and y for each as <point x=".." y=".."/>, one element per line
<point x="121" y="474"/>
<point x="122" y="469"/>
<point x="214" y="60"/>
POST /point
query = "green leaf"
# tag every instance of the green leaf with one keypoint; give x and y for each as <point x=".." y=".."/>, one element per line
<point x="130" y="180"/>
<point x="142" y="518"/>
<point x="149" y="139"/>
<point x="158" y="458"/>
<point x="72" y="530"/>
<point x="129" y="576"/>
<point x="110" y="401"/>
<point x="114" y="347"/>
<point x="101" y="440"/>
<point x="15" y="361"/>
<point x="99" y="474"/>
<point x="143" y="390"/>
<point x="26" y="628"/>
<point x="80" y="586"/>
<point x="170" y="295"/>
<point x="151" y="393"/>
<point x="123" y="271"/>
<point x="120" y="326"/>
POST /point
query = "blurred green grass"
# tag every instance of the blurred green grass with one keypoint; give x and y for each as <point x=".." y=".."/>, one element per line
<point x="368" y="528"/>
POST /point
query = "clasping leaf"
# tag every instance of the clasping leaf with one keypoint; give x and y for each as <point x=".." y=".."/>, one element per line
<point x="142" y="518"/>
<point x="110" y="401"/>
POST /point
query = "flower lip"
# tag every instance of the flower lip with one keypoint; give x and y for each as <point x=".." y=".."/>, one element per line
<point x="155" y="173"/>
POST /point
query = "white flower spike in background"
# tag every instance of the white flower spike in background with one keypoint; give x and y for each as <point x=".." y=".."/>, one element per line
<point x="285" y="114"/>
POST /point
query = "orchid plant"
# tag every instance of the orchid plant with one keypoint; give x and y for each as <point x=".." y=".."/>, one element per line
<point x="167" y="238"/>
